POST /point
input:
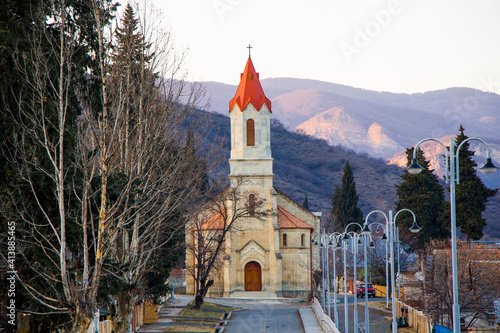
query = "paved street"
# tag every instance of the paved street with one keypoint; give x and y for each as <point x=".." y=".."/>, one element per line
<point x="283" y="315"/>
<point x="279" y="316"/>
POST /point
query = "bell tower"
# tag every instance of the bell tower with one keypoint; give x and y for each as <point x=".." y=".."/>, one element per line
<point x="250" y="113"/>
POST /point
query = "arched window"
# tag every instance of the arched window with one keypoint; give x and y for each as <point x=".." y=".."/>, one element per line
<point x="284" y="240"/>
<point x="251" y="204"/>
<point x="303" y="240"/>
<point x="250" y="132"/>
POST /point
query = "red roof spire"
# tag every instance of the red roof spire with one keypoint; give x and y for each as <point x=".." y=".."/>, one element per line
<point x="249" y="90"/>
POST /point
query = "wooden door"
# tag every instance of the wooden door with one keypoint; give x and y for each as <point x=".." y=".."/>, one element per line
<point x="253" y="277"/>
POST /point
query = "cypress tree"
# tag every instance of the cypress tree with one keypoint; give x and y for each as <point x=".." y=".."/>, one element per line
<point x="344" y="203"/>
<point x="471" y="194"/>
<point x="424" y="196"/>
<point x="305" y="204"/>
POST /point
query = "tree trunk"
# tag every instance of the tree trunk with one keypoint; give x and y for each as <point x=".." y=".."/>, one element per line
<point x="201" y="293"/>
<point x="81" y="322"/>
<point x="122" y="323"/>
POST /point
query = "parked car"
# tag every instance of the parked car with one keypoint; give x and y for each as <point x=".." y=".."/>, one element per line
<point x="360" y="290"/>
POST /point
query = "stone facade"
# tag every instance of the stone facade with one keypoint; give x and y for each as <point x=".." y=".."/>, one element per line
<point x="270" y="254"/>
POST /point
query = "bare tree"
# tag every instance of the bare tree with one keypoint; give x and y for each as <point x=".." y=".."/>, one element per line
<point x="208" y="230"/>
<point x="89" y="212"/>
<point x="149" y="167"/>
<point x="479" y="284"/>
<point x="41" y="152"/>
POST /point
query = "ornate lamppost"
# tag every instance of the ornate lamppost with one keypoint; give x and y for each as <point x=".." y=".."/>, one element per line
<point x="453" y="178"/>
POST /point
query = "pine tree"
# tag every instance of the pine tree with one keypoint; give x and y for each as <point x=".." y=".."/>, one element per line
<point x="344" y="203"/>
<point x="132" y="83"/>
<point x="424" y="195"/>
<point x="305" y="204"/>
<point x="471" y="194"/>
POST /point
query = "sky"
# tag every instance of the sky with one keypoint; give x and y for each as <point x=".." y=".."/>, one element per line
<point x="406" y="46"/>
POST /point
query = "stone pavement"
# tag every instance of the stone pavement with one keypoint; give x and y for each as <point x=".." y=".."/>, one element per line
<point x="173" y="307"/>
<point x="309" y="320"/>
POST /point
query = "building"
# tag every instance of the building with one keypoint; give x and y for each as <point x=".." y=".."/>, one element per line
<point x="273" y="255"/>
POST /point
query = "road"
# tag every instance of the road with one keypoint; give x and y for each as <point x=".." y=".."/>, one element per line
<point x="379" y="319"/>
<point x="282" y="316"/>
<point x="276" y="316"/>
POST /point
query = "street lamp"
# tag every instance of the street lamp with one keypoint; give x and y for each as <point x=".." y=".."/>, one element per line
<point x="355" y="237"/>
<point x="414" y="229"/>
<point x="322" y="241"/>
<point x="345" y="240"/>
<point x="453" y="178"/>
<point x="335" y="237"/>
<point x="390" y="223"/>
<point x="365" y="254"/>
<point x="384" y="239"/>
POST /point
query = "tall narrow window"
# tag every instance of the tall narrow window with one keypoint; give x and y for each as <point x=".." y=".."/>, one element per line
<point x="284" y="240"/>
<point x="303" y="240"/>
<point x="250" y="132"/>
<point x="251" y="204"/>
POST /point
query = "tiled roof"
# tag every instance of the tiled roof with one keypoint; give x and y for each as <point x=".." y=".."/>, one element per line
<point x="214" y="222"/>
<point x="287" y="220"/>
<point x="249" y="90"/>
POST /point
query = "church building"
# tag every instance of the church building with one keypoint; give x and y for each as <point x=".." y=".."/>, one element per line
<point x="272" y="256"/>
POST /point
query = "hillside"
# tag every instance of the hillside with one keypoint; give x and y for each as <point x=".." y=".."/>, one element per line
<point x="380" y="124"/>
<point x="307" y="165"/>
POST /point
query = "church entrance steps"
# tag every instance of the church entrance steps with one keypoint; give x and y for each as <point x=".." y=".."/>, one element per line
<point x="253" y="294"/>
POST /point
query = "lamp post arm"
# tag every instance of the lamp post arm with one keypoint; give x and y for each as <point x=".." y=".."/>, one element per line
<point x="457" y="173"/>
<point x="405" y="210"/>
<point x="378" y="224"/>
<point x="376" y="211"/>
<point x="352" y="223"/>
<point x="445" y="153"/>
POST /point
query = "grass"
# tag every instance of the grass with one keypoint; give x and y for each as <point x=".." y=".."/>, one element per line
<point x="380" y="305"/>
<point x="215" y="306"/>
<point x="201" y="314"/>
<point x="190" y="312"/>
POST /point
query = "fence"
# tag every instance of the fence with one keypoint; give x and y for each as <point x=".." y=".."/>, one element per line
<point x="416" y="319"/>
<point x="104" y="327"/>
<point x="381" y="291"/>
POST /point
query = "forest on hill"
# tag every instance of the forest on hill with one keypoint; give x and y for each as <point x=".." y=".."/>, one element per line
<point x="304" y="165"/>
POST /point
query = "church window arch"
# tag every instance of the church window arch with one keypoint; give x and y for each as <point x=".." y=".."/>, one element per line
<point x="303" y="240"/>
<point x="284" y="240"/>
<point x="251" y="204"/>
<point x="250" y="132"/>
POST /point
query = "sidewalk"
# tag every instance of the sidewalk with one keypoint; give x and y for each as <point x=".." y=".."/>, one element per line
<point x="171" y="309"/>
<point x="174" y="306"/>
<point x="309" y="320"/>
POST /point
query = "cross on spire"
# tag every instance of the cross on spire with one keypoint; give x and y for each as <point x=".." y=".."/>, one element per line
<point x="249" y="47"/>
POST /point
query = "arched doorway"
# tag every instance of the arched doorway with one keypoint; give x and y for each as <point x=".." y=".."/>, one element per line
<point x="253" y="277"/>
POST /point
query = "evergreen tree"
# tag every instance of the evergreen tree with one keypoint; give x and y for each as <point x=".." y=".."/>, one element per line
<point x="471" y="194"/>
<point x="424" y="195"/>
<point x="305" y="204"/>
<point x="344" y="203"/>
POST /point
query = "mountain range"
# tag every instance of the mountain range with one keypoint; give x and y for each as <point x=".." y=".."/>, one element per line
<point x="381" y="124"/>
<point x="324" y="124"/>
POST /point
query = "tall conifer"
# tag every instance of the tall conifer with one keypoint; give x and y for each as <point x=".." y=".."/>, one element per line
<point x="344" y="203"/>
<point x="305" y="204"/>
<point x="424" y="196"/>
<point x="471" y="194"/>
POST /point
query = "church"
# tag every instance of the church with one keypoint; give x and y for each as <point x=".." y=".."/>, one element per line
<point x="271" y="256"/>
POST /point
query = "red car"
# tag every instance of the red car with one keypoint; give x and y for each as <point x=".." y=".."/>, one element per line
<point x="360" y="290"/>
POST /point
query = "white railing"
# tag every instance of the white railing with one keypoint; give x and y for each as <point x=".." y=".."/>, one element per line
<point x="326" y="323"/>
